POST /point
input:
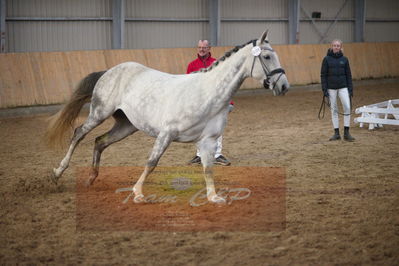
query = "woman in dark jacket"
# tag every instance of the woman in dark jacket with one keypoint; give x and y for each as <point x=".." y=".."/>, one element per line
<point x="336" y="79"/>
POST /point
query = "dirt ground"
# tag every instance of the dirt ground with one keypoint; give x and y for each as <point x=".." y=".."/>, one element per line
<point x="341" y="205"/>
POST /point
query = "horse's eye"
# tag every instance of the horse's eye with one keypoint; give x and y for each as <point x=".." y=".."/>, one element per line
<point x="267" y="57"/>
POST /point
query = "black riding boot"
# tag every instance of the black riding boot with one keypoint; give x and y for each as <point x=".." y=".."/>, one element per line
<point x="347" y="135"/>
<point x="336" y="135"/>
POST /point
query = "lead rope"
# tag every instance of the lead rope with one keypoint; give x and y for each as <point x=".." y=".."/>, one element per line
<point x="323" y="107"/>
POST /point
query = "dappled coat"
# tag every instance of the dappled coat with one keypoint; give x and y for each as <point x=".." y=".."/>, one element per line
<point x="200" y="63"/>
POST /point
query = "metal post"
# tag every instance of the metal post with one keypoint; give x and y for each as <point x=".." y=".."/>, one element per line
<point x="360" y="20"/>
<point x="214" y="22"/>
<point x="293" y="21"/>
<point x="333" y="23"/>
<point x="118" y="24"/>
<point x="3" y="26"/>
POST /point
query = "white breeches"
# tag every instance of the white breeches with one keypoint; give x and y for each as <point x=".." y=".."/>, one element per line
<point x="344" y="97"/>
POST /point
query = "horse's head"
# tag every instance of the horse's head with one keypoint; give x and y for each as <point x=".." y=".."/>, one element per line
<point x="266" y="66"/>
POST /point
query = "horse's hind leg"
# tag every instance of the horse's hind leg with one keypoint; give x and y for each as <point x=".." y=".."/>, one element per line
<point x="78" y="135"/>
<point x="161" y="144"/>
<point x="119" y="131"/>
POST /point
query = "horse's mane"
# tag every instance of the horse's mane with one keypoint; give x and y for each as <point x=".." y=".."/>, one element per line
<point x="221" y="59"/>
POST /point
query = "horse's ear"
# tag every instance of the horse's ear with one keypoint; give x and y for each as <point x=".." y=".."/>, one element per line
<point x="264" y="37"/>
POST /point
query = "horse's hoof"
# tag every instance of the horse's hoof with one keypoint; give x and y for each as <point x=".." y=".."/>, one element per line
<point x="89" y="183"/>
<point x="218" y="200"/>
<point x="139" y="198"/>
<point x="92" y="177"/>
<point x="54" y="177"/>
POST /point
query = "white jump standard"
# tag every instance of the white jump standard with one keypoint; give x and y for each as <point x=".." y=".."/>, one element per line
<point x="379" y="114"/>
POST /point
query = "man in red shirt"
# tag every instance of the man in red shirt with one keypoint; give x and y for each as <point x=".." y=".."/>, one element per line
<point x="204" y="60"/>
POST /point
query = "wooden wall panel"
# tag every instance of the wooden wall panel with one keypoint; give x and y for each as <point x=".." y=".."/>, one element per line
<point x="49" y="78"/>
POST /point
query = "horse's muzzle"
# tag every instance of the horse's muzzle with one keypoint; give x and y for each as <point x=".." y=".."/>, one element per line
<point x="284" y="89"/>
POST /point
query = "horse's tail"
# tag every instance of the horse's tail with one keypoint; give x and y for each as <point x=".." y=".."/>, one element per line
<point x="65" y="118"/>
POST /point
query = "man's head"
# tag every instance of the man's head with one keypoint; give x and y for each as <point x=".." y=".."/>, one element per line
<point x="203" y="48"/>
<point x="336" y="46"/>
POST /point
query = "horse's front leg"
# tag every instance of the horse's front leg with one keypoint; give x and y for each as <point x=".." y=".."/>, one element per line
<point x="207" y="148"/>
<point x="161" y="144"/>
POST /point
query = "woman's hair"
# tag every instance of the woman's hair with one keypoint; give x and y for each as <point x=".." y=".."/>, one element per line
<point x="336" y="40"/>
